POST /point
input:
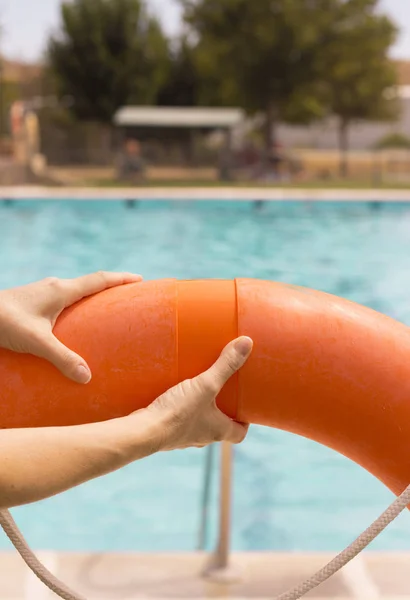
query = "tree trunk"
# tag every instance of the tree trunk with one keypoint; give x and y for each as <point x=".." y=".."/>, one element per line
<point x="344" y="148"/>
<point x="269" y="137"/>
<point x="269" y="128"/>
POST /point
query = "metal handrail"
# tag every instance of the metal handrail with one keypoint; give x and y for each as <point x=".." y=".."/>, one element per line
<point x="206" y="497"/>
<point x="221" y="557"/>
<point x="218" y="566"/>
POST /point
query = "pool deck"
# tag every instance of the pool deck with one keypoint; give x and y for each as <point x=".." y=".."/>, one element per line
<point x="262" y="576"/>
<point x="198" y="193"/>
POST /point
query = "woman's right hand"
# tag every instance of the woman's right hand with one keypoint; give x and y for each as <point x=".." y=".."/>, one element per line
<point x="187" y="415"/>
<point x="63" y="457"/>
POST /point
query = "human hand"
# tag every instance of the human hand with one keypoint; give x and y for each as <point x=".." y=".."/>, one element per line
<point x="29" y="313"/>
<point x="187" y="415"/>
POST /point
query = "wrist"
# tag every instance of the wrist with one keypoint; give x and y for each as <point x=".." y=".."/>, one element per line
<point x="139" y="435"/>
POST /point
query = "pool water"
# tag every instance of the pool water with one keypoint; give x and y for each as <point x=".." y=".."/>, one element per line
<point x="289" y="493"/>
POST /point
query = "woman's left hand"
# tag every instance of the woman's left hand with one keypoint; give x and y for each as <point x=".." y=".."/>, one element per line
<point x="29" y="313"/>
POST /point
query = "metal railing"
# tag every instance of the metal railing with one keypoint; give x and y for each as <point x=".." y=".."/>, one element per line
<point x="206" y="498"/>
<point x="218" y="566"/>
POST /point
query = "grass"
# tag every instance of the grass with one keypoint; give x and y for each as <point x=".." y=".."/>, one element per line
<point x="311" y="184"/>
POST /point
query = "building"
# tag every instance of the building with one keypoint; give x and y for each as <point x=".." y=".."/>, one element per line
<point x="363" y="135"/>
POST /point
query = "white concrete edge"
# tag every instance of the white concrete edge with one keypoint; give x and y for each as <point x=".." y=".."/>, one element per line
<point x="34" y="589"/>
<point x="203" y="193"/>
<point x="358" y="580"/>
<point x="197" y="556"/>
<point x="253" y="597"/>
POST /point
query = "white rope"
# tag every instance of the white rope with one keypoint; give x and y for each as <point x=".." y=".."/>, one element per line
<point x="31" y="560"/>
<point x="59" y="588"/>
<point x="351" y="551"/>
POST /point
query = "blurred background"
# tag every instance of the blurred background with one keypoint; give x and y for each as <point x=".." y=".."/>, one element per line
<point x="302" y="93"/>
<point x="124" y="96"/>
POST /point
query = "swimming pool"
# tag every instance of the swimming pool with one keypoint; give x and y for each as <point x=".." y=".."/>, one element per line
<point x="290" y="493"/>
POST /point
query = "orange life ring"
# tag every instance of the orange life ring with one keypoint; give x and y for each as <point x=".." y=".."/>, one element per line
<point x="322" y="367"/>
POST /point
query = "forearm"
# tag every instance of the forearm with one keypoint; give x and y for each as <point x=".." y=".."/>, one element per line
<point x="39" y="463"/>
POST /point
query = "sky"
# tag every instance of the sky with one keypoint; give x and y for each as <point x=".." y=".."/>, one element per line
<point x="27" y="23"/>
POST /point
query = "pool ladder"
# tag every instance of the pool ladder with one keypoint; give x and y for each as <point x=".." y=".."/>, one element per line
<point x="218" y="566"/>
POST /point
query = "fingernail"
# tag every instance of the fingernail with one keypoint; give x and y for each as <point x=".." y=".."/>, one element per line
<point x="133" y="276"/>
<point x="244" y="346"/>
<point x="82" y="374"/>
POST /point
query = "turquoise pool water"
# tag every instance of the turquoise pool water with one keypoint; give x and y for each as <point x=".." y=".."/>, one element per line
<point x="290" y="493"/>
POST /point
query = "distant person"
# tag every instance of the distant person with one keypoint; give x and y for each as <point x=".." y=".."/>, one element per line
<point x="225" y="162"/>
<point x="276" y="159"/>
<point x="132" y="165"/>
<point x="250" y="161"/>
<point x="271" y="164"/>
<point x="249" y="155"/>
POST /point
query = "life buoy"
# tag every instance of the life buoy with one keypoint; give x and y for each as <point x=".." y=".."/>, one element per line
<point x="322" y="367"/>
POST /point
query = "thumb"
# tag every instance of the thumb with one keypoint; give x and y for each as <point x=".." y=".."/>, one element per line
<point x="237" y="433"/>
<point x="232" y="358"/>
<point x="67" y="362"/>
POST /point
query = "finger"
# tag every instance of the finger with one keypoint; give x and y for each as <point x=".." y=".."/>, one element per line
<point x="87" y="285"/>
<point x="67" y="362"/>
<point x="232" y="358"/>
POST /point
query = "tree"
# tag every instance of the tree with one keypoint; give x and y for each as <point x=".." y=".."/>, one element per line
<point x="393" y="140"/>
<point x="182" y="84"/>
<point x="358" y="71"/>
<point x="263" y="55"/>
<point x="109" y="53"/>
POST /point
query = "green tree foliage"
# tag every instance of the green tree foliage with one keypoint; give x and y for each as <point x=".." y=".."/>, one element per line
<point x="295" y="60"/>
<point x="263" y="55"/>
<point x="182" y="84"/>
<point x="109" y="53"/>
<point x="357" y="70"/>
<point x="393" y="140"/>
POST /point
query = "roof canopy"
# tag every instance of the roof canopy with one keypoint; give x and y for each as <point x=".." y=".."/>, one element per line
<point x="147" y="116"/>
